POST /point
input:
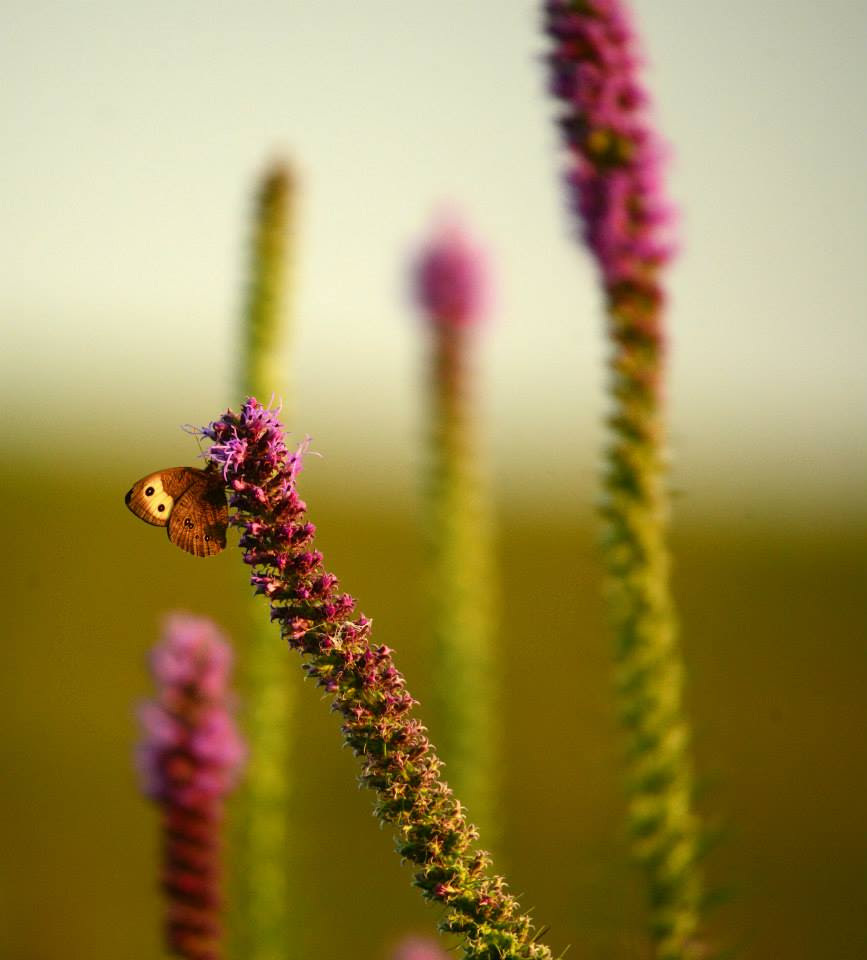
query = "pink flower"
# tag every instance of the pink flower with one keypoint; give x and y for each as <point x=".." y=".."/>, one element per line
<point x="419" y="948"/>
<point x="189" y="758"/>
<point x="450" y="277"/>
<point x="613" y="177"/>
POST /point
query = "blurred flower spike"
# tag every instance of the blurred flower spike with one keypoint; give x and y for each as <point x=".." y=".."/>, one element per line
<point x="614" y="177"/>
<point x="451" y="277"/>
<point x="419" y="948"/>
<point x="189" y="759"/>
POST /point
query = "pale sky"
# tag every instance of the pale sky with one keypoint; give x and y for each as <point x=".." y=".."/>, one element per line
<point x="133" y="134"/>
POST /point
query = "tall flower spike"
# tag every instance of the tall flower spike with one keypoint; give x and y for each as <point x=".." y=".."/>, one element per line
<point x="614" y="185"/>
<point x="397" y="760"/>
<point x="263" y="906"/>
<point x="450" y="280"/>
<point x="188" y="759"/>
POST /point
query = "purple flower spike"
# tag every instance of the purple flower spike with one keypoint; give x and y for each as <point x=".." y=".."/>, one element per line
<point x="189" y="759"/>
<point x="613" y="178"/>
<point x="398" y="761"/>
<point x="614" y="181"/>
<point x="450" y="277"/>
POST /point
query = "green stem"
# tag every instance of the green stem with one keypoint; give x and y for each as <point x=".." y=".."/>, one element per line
<point x="663" y="826"/>
<point x="261" y="861"/>
<point x="461" y="602"/>
<point x="263" y="369"/>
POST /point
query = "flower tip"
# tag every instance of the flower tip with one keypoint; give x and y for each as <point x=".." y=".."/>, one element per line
<point x="279" y="175"/>
<point x="450" y="275"/>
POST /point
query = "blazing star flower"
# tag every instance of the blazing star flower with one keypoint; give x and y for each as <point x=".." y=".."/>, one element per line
<point x="450" y="278"/>
<point x="398" y="761"/>
<point x="615" y="189"/>
<point x="188" y="760"/>
<point x="614" y="176"/>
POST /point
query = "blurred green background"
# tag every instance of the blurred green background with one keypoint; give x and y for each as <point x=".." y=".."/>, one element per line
<point x="773" y="618"/>
<point x="134" y="140"/>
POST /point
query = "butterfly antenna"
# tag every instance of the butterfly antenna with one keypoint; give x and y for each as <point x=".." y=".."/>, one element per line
<point x="196" y="432"/>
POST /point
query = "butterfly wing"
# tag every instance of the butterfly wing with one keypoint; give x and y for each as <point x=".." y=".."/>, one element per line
<point x="153" y="497"/>
<point x="200" y="516"/>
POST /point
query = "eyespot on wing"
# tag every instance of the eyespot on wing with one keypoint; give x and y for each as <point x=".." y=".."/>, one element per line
<point x="149" y="500"/>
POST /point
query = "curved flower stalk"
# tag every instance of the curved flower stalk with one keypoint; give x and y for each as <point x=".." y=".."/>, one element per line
<point x="261" y="918"/>
<point x="614" y="184"/>
<point x="189" y="758"/>
<point x="397" y="760"/>
<point x="450" y="286"/>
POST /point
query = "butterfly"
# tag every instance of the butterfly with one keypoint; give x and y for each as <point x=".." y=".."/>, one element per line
<point x="190" y="502"/>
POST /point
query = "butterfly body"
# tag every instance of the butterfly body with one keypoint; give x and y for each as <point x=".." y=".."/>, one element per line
<point x="189" y="502"/>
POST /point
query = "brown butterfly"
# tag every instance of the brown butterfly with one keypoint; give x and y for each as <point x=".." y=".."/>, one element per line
<point x="190" y="502"/>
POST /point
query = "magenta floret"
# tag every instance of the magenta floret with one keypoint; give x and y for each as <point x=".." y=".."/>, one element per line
<point x="613" y="177"/>
<point x="451" y="278"/>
